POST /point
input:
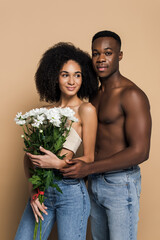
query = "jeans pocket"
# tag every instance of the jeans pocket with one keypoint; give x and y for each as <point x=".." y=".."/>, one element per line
<point x="114" y="180"/>
<point x="137" y="183"/>
<point x="70" y="181"/>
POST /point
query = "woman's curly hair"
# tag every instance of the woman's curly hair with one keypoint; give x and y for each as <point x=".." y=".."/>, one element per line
<point x="52" y="61"/>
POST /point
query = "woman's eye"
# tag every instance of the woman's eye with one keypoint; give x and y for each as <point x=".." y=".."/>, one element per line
<point x="64" y="75"/>
<point x="78" y="75"/>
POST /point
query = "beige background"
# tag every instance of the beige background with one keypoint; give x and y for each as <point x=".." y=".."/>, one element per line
<point x="28" y="28"/>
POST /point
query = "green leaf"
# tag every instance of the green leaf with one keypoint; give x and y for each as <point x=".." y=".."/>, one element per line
<point x="61" y="157"/>
<point x="54" y="185"/>
<point x="36" y="181"/>
<point x="59" y="144"/>
<point x="48" y="139"/>
<point x="49" y="178"/>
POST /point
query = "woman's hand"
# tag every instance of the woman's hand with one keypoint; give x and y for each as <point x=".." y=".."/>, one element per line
<point x="48" y="160"/>
<point x="37" y="208"/>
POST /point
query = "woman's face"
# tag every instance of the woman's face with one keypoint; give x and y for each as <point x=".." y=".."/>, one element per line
<point x="70" y="78"/>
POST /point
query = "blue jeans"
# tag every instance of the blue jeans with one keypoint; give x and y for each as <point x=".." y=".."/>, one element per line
<point x="69" y="209"/>
<point x="115" y="204"/>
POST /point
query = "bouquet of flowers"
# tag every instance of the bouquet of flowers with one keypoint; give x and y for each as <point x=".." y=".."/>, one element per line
<point x="48" y="128"/>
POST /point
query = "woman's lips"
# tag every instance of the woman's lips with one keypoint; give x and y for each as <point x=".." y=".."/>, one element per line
<point x="71" y="88"/>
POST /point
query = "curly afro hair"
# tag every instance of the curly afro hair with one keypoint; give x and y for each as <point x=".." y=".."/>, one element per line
<point x="52" y="61"/>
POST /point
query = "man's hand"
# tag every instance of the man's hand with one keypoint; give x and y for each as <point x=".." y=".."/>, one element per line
<point x="75" y="169"/>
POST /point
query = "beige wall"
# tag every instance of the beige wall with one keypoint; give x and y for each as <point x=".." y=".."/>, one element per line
<point x="28" y="28"/>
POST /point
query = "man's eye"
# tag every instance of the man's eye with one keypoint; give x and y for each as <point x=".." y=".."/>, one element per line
<point x="108" y="53"/>
<point x="94" y="54"/>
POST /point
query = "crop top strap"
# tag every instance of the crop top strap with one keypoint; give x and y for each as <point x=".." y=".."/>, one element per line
<point x="73" y="141"/>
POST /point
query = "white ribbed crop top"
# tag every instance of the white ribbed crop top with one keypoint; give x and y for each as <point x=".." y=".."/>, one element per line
<point x="73" y="141"/>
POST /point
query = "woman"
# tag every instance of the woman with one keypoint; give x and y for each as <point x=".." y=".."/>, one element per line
<point x="64" y="77"/>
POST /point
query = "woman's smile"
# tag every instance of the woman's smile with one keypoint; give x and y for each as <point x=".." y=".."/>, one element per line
<point x="70" y="78"/>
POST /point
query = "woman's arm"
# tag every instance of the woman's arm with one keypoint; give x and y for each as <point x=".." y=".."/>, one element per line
<point x="88" y="117"/>
<point x="49" y="159"/>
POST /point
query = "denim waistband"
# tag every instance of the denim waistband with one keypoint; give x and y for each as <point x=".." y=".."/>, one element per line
<point x="130" y="169"/>
<point x="125" y="170"/>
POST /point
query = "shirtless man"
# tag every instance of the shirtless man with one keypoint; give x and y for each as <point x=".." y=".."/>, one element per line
<point x="123" y="142"/>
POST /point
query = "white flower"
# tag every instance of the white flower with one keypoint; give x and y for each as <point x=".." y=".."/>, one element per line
<point x="37" y="121"/>
<point x="35" y="124"/>
<point x="55" y="122"/>
<point x="20" y="122"/>
<point x="41" y="131"/>
<point x="41" y="118"/>
<point x="69" y="113"/>
<point x="53" y="112"/>
<point x="26" y="115"/>
<point x="22" y="136"/>
<point x="19" y="119"/>
<point x="54" y="117"/>
<point x="36" y="111"/>
<point x="73" y="119"/>
<point x="19" y="115"/>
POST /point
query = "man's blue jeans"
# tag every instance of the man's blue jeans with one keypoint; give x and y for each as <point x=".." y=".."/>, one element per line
<point x="115" y="204"/>
<point x="69" y="209"/>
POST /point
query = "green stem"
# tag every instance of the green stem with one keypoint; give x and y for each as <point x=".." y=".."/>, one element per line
<point x="69" y="128"/>
<point x="41" y="199"/>
<point x="40" y="229"/>
<point x="27" y="129"/>
<point x="35" y="230"/>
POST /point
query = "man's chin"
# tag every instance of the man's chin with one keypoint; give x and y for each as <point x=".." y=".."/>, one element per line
<point x="103" y="78"/>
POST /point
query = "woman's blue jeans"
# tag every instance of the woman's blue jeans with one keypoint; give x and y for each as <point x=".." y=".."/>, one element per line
<point x="115" y="204"/>
<point x="69" y="209"/>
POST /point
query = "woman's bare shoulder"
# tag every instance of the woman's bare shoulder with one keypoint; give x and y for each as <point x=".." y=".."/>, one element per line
<point x="87" y="106"/>
<point x="87" y="109"/>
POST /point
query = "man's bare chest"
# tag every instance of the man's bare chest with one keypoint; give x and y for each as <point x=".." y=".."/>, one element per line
<point x="109" y="109"/>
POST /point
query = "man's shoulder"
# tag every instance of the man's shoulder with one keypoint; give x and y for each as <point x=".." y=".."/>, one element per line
<point x="133" y="94"/>
<point x="131" y="89"/>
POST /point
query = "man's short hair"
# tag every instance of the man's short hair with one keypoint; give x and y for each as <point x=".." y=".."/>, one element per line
<point x="107" y="34"/>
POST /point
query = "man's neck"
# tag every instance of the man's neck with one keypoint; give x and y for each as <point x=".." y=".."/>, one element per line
<point x="111" y="81"/>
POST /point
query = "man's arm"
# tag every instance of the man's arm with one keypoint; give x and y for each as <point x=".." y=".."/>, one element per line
<point x="137" y="130"/>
